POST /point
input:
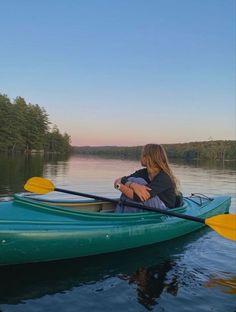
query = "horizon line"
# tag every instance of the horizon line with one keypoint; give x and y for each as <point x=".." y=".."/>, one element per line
<point x="227" y="140"/>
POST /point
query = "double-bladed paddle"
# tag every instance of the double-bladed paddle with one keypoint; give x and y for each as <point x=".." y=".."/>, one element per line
<point x="224" y="224"/>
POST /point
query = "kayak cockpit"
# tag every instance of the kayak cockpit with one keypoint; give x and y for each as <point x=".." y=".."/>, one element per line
<point x="77" y="205"/>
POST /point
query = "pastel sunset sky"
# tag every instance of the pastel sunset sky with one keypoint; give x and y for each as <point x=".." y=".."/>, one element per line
<point x="124" y="72"/>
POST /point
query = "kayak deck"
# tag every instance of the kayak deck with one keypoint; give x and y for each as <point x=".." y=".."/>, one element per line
<point x="94" y="210"/>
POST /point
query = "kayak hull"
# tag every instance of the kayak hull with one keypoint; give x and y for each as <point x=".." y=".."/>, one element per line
<point x="35" y="232"/>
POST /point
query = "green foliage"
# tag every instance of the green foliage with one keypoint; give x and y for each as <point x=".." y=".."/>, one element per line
<point x="25" y="127"/>
<point x="55" y="142"/>
<point x="208" y="150"/>
<point x="5" y="125"/>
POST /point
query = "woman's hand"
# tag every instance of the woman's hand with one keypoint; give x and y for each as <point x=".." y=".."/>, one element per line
<point x="118" y="180"/>
<point x="142" y="191"/>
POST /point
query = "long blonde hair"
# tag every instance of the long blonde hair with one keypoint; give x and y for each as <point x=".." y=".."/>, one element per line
<point x="156" y="159"/>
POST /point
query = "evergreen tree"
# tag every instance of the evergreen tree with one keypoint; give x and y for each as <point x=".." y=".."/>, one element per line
<point x="5" y="122"/>
<point x="24" y="127"/>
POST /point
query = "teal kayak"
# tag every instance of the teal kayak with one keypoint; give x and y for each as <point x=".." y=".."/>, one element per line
<point x="31" y="231"/>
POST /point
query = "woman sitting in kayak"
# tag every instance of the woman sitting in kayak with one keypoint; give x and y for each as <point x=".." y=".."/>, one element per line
<point x="154" y="186"/>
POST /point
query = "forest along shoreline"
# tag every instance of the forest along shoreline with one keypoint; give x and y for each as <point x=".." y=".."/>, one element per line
<point x="223" y="150"/>
<point x="26" y="128"/>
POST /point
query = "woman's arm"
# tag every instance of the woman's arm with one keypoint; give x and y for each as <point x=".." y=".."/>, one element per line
<point x="126" y="190"/>
<point x="142" y="191"/>
<point x="133" y="190"/>
<point x="129" y="189"/>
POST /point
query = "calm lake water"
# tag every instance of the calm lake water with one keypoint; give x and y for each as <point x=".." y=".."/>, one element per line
<point x="193" y="273"/>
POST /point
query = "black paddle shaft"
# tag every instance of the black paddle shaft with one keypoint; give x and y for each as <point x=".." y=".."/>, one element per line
<point x="115" y="201"/>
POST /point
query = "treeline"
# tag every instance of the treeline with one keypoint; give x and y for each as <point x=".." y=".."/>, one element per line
<point x="25" y="128"/>
<point x="208" y="150"/>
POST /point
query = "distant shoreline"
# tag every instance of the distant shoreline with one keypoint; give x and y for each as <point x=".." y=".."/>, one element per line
<point x="224" y="150"/>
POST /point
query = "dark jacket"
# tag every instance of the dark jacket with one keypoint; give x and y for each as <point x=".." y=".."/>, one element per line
<point x="161" y="186"/>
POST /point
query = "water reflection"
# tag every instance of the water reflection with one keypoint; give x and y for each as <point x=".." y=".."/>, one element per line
<point x="146" y="267"/>
<point x="16" y="169"/>
<point x="228" y="283"/>
<point x="149" y="273"/>
<point x="97" y="174"/>
<point x="152" y="281"/>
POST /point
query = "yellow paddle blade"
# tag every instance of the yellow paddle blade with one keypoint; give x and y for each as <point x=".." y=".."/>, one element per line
<point x="39" y="185"/>
<point x="224" y="224"/>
